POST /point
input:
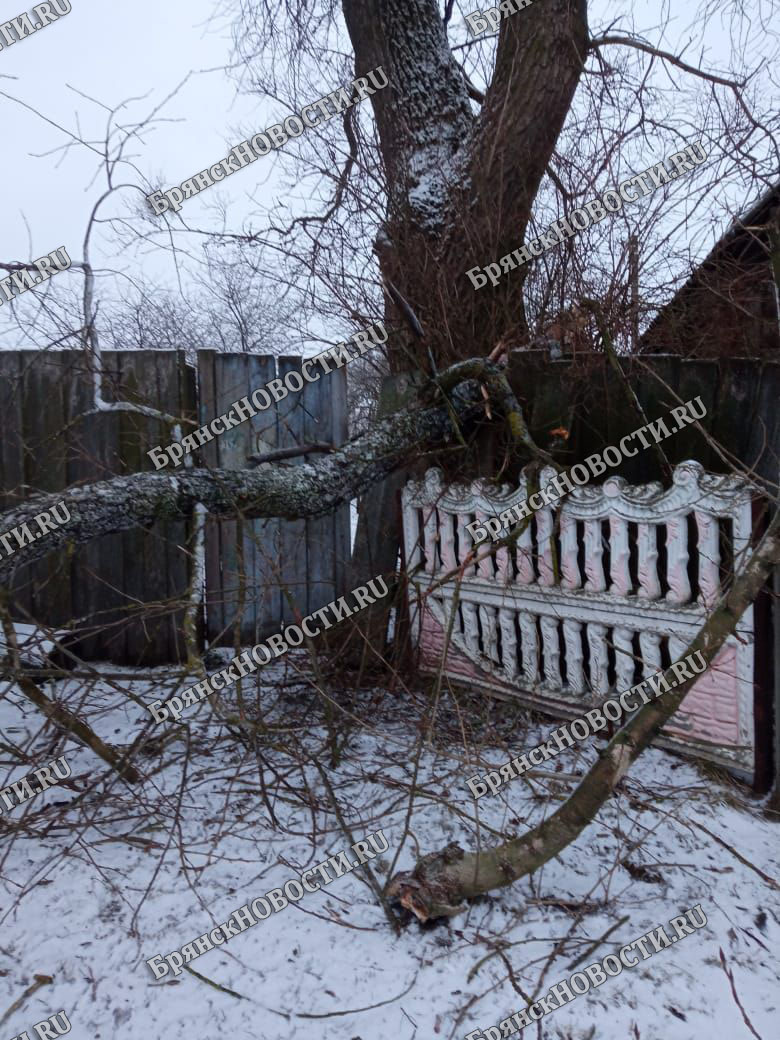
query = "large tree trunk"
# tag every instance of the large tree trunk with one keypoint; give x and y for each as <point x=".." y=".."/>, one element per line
<point x="460" y="186"/>
<point x="441" y="881"/>
<point x="378" y="535"/>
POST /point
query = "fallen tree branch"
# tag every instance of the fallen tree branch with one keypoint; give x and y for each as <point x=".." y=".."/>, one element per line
<point x="288" y="492"/>
<point x="357" y="1011"/>
<point x="40" y="980"/>
<point x="745" y="862"/>
<point x="59" y="716"/>
<point x="215" y="985"/>
<point x="595" y="945"/>
<point x="443" y="880"/>
<point x="737" y="1001"/>
<point x="502" y="395"/>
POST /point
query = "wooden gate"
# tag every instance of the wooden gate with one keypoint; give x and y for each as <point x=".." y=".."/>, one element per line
<point x="259" y="573"/>
<point x="570" y="614"/>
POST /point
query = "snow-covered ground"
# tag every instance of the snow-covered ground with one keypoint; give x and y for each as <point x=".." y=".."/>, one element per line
<point x="92" y="890"/>
<point x="32" y="642"/>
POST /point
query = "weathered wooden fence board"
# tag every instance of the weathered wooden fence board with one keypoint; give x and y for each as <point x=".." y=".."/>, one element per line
<point x="227" y="381"/>
<point x="293" y="561"/>
<point x="97" y="572"/>
<point x="209" y="456"/>
<point x="269" y="571"/>
<point x="51" y="438"/>
<point x="155" y="563"/>
<point x="586" y="398"/>
<point x="261" y="537"/>
<point x="12" y="454"/>
<point x="328" y="537"/>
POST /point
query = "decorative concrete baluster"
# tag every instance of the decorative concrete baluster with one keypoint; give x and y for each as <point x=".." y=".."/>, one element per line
<point x="677" y="560"/>
<point x="485" y="565"/>
<point x="572" y="639"/>
<point x="430" y="539"/>
<point x="508" y="643"/>
<point x="650" y="646"/>
<point x="414" y="557"/>
<point x="618" y="557"/>
<point x="447" y="541"/>
<point x="544" y="530"/>
<point x="529" y="644"/>
<point x="681" y="721"/>
<point x="597" y="645"/>
<point x="594" y="552"/>
<point x="504" y="566"/>
<point x="525" y="563"/>
<point x="677" y="647"/>
<point x="447" y="606"/>
<point x="709" y="558"/>
<point x="487" y="618"/>
<point x="552" y="653"/>
<point x="411" y="534"/>
<point x="570" y="568"/>
<point x="624" y="659"/>
<point x="465" y="543"/>
<point x="649" y="582"/>
<point x="470" y="628"/>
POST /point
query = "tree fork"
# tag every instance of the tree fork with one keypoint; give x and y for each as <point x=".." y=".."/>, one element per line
<point x="460" y="184"/>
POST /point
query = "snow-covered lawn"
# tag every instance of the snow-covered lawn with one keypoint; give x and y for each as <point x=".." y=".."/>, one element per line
<point x="89" y="892"/>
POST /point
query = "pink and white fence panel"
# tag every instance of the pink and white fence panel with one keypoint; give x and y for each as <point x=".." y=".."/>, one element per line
<point x="595" y="594"/>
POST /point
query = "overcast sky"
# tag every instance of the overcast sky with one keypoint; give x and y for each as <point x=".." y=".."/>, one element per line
<point x="116" y="51"/>
<point x="112" y="52"/>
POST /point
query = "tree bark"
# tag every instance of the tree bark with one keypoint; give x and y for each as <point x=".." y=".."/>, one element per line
<point x="378" y="534"/>
<point x="461" y="186"/>
<point x="442" y="880"/>
<point x="313" y="489"/>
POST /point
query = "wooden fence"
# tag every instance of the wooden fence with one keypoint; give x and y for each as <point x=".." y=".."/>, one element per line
<point x="259" y="572"/>
<point x="124" y="594"/>
<point x="585" y="397"/>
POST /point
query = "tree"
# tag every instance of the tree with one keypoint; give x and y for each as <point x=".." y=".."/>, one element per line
<point x="458" y="189"/>
<point x="474" y="142"/>
<point x="442" y="880"/>
<point x="478" y="144"/>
